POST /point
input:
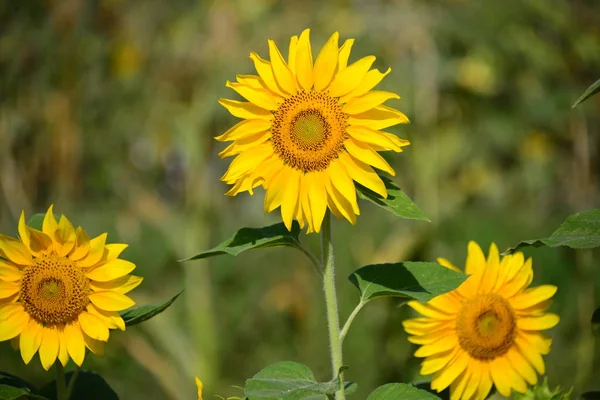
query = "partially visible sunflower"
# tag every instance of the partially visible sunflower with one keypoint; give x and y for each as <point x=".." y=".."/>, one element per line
<point x="488" y="330"/>
<point x="61" y="292"/>
<point x="310" y="130"/>
<point x="200" y="386"/>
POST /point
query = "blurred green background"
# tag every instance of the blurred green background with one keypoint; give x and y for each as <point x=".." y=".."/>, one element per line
<point x="108" y="109"/>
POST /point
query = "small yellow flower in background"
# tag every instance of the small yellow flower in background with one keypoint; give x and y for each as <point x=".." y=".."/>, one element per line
<point x="200" y="387"/>
<point x="487" y="331"/>
<point x="310" y="130"/>
<point x="60" y="292"/>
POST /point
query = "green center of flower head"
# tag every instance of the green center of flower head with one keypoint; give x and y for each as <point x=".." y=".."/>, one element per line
<point x="309" y="130"/>
<point x="488" y="323"/>
<point x="51" y="289"/>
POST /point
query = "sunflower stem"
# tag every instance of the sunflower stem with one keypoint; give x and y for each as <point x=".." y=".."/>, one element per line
<point x="71" y="386"/>
<point x="61" y="387"/>
<point x="346" y="327"/>
<point x="333" y="319"/>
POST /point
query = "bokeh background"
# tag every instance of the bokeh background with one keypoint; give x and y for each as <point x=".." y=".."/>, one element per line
<point x="108" y="109"/>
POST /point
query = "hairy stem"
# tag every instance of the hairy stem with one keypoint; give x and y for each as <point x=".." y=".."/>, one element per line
<point x="333" y="320"/>
<point x="61" y="387"/>
<point x="351" y="317"/>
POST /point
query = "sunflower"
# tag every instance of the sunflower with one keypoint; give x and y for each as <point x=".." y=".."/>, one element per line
<point x="488" y="330"/>
<point x="310" y="130"/>
<point x="60" y="292"/>
<point x="200" y="386"/>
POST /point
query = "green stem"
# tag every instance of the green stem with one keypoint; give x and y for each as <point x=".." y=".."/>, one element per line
<point x="316" y="264"/>
<point x="333" y="320"/>
<point x="71" y="386"/>
<point x="350" y="319"/>
<point x="61" y="387"/>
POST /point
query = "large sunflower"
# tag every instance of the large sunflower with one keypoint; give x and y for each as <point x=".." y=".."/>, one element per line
<point x="60" y="292"/>
<point x="310" y="130"/>
<point x="487" y="331"/>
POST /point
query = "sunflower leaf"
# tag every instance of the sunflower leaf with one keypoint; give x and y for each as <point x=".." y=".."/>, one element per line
<point x="589" y="92"/>
<point x="88" y="386"/>
<point x="289" y="380"/>
<point x="579" y="231"/>
<point x="36" y="221"/>
<point x="13" y="393"/>
<point x="140" y="314"/>
<point x="397" y="201"/>
<point x="394" y="391"/>
<point x="420" y="281"/>
<point x="254" y="238"/>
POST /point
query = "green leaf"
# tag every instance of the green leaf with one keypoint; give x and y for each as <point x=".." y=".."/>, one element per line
<point x="140" y="314"/>
<point x="14" y="393"/>
<point x="88" y="386"/>
<point x="395" y="391"/>
<point x="36" y="221"/>
<point x="589" y="92"/>
<point x="14" y="381"/>
<point x="254" y="238"/>
<point x="288" y="380"/>
<point x="414" y="280"/>
<point x="579" y="231"/>
<point x="397" y="201"/>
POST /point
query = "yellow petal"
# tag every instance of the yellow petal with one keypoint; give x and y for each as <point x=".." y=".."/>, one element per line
<point x="326" y="63"/>
<point x="93" y="326"/>
<point x="244" y="129"/>
<point x="82" y="245"/>
<point x="245" y="143"/>
<point x="75" y="343"/>
<point x="95" y="346"/>
<point x="317" y="199"/>
<point x="429" y="311"/>
<point x="368" y="101"/>
<point x="343" y="183"/>
<point x="246" y="162"/>
<point x="546" y="321"/>
<point x="49" y="347"/>
<point x="64" y="237"/>
<point x="107" y="317"/>
<point x="284" y="77"/>
<point x="367" y="155"/>
<point x="13" y="320"/>
<point x="502" y="375"/>
<point x="8" y="289"/>
<point x="110" y="301"/>
<point x="443" y="378"/>
<point x="457" y="387"/>
<point x="531" y="354"/>
<point x="9" y="272"/>
<point x="363" y="174"/>
<point x="370" y="80"/>
<point x="274" y="191"/>
<point x="111" y="270"/>
<point x="289" y="199"/>
<point x="121" y="285"/>
<point x="373" y="137"/>
<point x="14" y="250"/>
<point x="263" y="67"/>
<point x="253" y="81"/>
<point x="345" y="54"/>
<point x="63" y="353"/>
<point x="531" y="297"/>
<point x="486" y="382"/>
<point x="260" y="97"/>
<point x="377" y="118"/>
<point x="349" y="78"/>
<point x="97" y="251"/>
<point x="304" y="61"/>
<point x="30" y="340"/>
<point x="338" y="204"/>
<point x="38" y="242"/>
<point x="521" y="365"/>
<point x="200" y="386"/>
<point x="477" y="370"/>
<point x="448" y="264"/>
<point x="433" y="364"/>
<point x="245" y="110"/>
<point x="476" y="261"/>
<point x="443" y="344"/>
<point x="292" y="51"/>
<point x="49" y="225"/>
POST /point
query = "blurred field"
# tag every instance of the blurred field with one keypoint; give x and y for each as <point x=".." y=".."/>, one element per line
<point x="108" y="109"/>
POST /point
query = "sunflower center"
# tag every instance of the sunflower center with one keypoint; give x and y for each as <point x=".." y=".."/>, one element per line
<point x="54" y="291"/>
<point x="309" y="130"/>
<point x="486" y="326"/>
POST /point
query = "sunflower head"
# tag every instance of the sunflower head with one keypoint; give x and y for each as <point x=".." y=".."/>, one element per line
<point x="61" y="291"/>
<point x="310" y="130"/>
<point x="487" y="331"/>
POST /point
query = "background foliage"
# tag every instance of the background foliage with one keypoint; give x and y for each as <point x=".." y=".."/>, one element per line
<point x="108" y="109"/>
